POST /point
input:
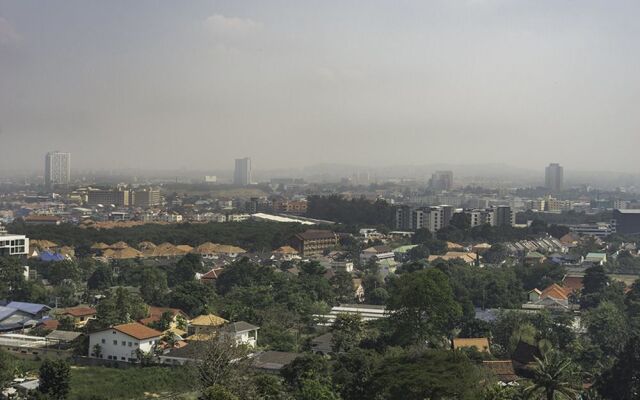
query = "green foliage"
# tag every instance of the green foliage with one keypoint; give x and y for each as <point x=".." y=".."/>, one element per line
<point x="101" y="278"/>
<point x="217" y="392"/>
<point x="192" y="297"/>
<point x="553" y="377"/>
<point x="119" y="308"/>
<point x="250" y="235"/>
<point x="433" y="374"/>
<point x="607" y="327"/>
<point x="539" y="276"/>
<point x="424" y="306"/>
<point x="355" y="211"/>
<point x="622" y="381"/>
<point x="54" y="379"/>
<point x="305" y="368"/>
<point x="153" y="286"/>
<point x="347" y="332"/>
<point x="353" y="371"/>
<point x="314" y="390"/>
<point x="128" y="383"/>
<point x="6" y="369"/>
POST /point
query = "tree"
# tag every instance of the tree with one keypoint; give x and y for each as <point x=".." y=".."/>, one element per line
<point x="217" y="392"/>
<point x="607" y="327"/>
<point x="153" y="285"/>
<point x="433" y="374"/>
<point x="101" y="278"/>
<point x="622" y="380"/>
<point x="312" y="389"/>
<point x="421" y="236"/>
<point x="424" y="306"/>
<point x="54" y="379"/>
<point x="6" y="372"/>
<point x="347" y="332"/>
<point x="119" y="308"/>
<point x="12" y="280"/>
<point x="352" y="372"/>
<point x="496" y="254"/>
<point x="192" y="297"/>
<point x="461" y="221"/>
<point x="552" y="377"/>
<point x="220" y="362"/>
<point x="306" y="367"/>
<point x="595" y="282"/>
<point x="342" y="283"/>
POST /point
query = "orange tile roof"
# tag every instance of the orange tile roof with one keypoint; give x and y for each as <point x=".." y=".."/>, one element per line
<point x="573" y="283"/>
<point x="155" y="313"/>
<point x="556" y="291"/>
<point x="481" y="344"/>
<point x="137" y="331"/>
<point x="79" y="311"/>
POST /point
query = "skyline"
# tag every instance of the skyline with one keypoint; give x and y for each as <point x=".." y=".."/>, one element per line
<point x="149" y="85"/>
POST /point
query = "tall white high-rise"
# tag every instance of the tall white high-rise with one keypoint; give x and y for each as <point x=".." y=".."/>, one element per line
<point x="242" y="173"/>
<point x="553" y="177"/>
<point x="57" y="169"/>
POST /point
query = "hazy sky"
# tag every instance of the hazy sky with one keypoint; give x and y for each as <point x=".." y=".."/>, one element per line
<point x="194" y="84"/>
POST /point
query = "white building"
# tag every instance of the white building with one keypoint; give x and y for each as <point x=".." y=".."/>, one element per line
<point x="13" y="245"/>
<point x="242" y="173"/>
<point x="57" y="168"/>
<point x="123" y="342"/>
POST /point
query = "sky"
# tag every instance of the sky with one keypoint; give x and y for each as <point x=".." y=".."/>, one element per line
<point x="194" y="84"/>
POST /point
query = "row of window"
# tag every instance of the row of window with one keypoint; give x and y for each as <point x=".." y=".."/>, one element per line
<point x="124" y="343"/>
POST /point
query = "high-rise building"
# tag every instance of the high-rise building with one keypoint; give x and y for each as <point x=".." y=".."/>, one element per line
<point x="57" y="169"/>
<point x="242" y="173"/>
<point x="146" y="197"/>
<point x="553" y="177"/>
<point x="441" y="180"/>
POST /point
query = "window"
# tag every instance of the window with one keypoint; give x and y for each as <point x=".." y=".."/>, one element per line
<point x="104" y="341"/>
<point x="123" y="358"/>
<point x="124" y="342"/>
<point x="130" y="344"/>
<point x="115" y="342"/>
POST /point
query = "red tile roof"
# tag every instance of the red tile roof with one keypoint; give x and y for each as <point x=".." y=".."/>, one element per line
<point x="556" y="291"/>
<point x="137" y="331"/>
<point x="155" y="313"/>
<point x="79" y="311"/>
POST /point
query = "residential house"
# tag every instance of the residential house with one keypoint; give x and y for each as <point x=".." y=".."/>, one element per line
<point x="596" y="258"/>
<point x="123" y="342"/>
<point x="243" y="332"/>
<point x="203" y="326"/>
<point x="502" y="370"/>
<point x="80" y="315"/>
<point x="379" y="252"/>
<point x="273" y="361"/>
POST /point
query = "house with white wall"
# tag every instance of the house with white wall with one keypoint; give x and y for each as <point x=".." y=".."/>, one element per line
<point x="123" y="342"/>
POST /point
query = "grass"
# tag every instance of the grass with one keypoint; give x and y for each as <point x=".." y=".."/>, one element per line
<point x="129" y="383"/>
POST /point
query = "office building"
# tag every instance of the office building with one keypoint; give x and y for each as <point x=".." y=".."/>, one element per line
<point x="242" y="173"/>
<point x="627" y="222"/>
<point x="146" y="198"/>
<point x="441" y="181"/>
<point x="57" y="169"/>
<point x="403" y="218"/>
<point x="116" y="197"/>
<point x="431" y="218"/>
<point x="494" y="216"/>
<point x="553" y="177"/>
<point x="13" y="245"/>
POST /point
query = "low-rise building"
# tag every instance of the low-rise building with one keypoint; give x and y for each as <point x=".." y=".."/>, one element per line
<point x="313" y="243"/>
<point x="123" y="342"/>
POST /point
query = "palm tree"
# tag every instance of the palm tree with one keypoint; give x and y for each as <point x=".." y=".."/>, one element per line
<point x="552" y="378"/>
